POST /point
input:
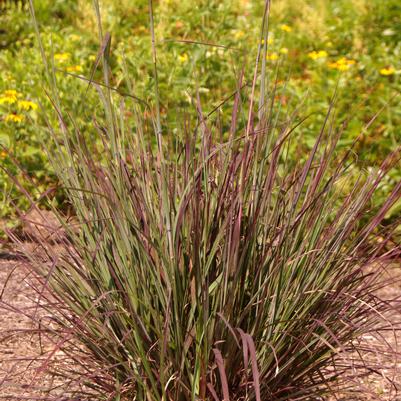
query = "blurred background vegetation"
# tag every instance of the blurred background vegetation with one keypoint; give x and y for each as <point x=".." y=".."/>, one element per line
<point x="313" y="47"/>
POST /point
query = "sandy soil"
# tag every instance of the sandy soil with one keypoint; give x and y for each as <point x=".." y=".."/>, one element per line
<point x="19" y="344"/>
<point x="384" y="384"/>
<point x="23" y="351"/>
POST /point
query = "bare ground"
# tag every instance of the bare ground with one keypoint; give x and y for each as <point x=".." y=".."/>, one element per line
<point x="22" y="351"/>
<point x="383" y="350"/>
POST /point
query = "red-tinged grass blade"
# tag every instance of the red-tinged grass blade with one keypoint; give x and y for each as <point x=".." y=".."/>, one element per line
<point x="222" y="374"/>
<point x="213" y="392"/>
<point x="254" y="364"/>
<point x="244" y="348"/>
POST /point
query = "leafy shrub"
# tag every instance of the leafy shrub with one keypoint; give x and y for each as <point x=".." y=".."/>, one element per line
<point x="212" y="267"/>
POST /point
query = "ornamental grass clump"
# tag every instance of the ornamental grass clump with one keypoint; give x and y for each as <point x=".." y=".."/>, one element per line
<point x="212" y="267"/>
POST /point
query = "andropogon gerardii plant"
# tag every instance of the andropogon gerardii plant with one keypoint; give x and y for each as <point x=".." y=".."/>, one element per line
<point x="212" y="266"/>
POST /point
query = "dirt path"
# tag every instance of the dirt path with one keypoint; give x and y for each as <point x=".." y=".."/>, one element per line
<point x="19" y="344"/>
<point x="385" y="383"/>
<point x="381" y="351"/>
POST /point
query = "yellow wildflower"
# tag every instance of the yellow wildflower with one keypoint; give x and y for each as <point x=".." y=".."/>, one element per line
<point x="342" y="64"/>
<point x="7" y="99"/>
<point x="11" y="92"/>
<point x="345" y="61"/>
<point x="3" y="154"/>
<point x="183" y="58"/>
<point x="284" y="50"/>
<point x="239" y="34"/>
<point x="15" y="118"/>
<point x="272" y="56"/>
<point x="62" y="57"/>
<point x="387" y="71"/>
<point x="92" y="57"/>
<point x="332" y="65"/>
<point x="342" y="67"/>
<point x="74" y="68"/>
<point x="9" y="96"/>
<point x="27" y="105"/>
<point x="74" y="37"/>
<point x="285" y="28"/>
<point x="315" y="55"/>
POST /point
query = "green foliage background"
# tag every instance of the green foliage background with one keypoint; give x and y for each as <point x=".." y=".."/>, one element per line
<point x="365" y="31"/>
